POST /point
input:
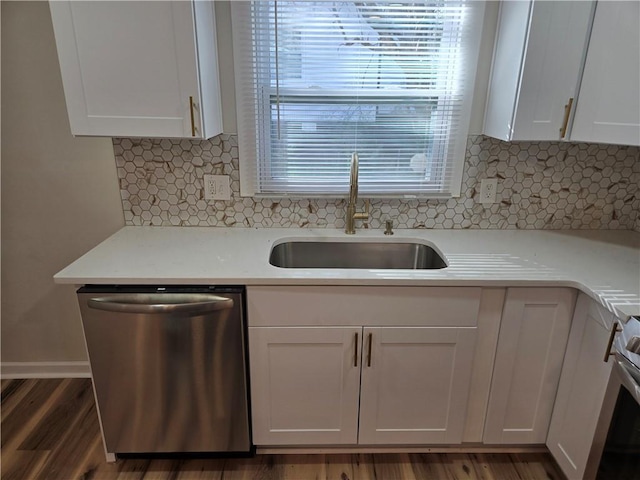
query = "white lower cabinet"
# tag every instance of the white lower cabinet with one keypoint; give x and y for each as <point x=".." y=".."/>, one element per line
<point x="582" y="388"/>
<point x="531" y="345"/>
<point x="362" y="382"/>
<point x="416" y="385"/>
<point x="373" y="366"/>
<point x="305" y="384"/>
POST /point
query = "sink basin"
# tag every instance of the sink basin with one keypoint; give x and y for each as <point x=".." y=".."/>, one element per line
<point x="363" y="255"/>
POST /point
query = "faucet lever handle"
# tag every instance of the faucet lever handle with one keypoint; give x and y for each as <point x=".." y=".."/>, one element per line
<point x="364" y="215"/>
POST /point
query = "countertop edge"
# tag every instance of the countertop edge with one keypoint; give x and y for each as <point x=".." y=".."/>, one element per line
<point x="605" y="265"/>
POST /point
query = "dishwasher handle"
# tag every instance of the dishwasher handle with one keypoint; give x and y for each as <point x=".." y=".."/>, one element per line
<point x="162" y="303"/>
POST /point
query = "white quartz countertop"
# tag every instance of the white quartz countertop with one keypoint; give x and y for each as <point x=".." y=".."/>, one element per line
<point x="603" y="264"/>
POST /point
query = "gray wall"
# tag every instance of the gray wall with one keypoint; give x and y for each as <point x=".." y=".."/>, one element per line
<point x="59" y="193"/>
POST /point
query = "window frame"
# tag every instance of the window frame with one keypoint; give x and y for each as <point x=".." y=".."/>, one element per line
<point x="250" y="150"/>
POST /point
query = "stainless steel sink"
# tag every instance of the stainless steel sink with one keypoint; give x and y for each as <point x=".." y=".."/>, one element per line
<point x="363" y="255"/>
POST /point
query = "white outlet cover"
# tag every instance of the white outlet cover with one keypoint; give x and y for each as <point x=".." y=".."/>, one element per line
<point x="217" y="187"/>
<point x="488" y="187"/>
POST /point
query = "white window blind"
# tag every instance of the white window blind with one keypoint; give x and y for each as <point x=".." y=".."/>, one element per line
<point x="319" y="80"/>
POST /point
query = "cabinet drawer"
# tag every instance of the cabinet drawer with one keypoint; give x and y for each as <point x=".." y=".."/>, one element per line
<point x="353" y="306"/>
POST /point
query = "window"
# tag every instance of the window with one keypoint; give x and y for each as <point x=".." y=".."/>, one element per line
<point x="319" y="80"/>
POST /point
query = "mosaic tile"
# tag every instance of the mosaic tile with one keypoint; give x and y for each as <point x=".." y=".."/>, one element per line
<point x="541" y="185"/>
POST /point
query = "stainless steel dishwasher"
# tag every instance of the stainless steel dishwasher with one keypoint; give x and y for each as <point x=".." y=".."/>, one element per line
<point x="169" y="367"/>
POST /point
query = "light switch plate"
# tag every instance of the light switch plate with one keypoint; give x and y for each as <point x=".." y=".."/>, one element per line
<point x="217" y="187"/>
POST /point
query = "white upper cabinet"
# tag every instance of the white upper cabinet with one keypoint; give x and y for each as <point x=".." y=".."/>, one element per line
<point x="139" y="68"/>
<point x="609" y="107"/>
<point x="538" y="55"/>
<point x="566" y="71"/>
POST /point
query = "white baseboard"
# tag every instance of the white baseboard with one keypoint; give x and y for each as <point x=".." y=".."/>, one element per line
<point x="10" y="370"/>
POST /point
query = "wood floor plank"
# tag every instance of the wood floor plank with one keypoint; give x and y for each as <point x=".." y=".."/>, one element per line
<point x="9" y="387"/>
<point x="201" y="469"/>
<point x="163" y="469"/>
<point x="52" y="433"/>
<point x="460" y="466"/>
<point x="482" y="466"/>
<point x="428" y="465"/>
<point x="13" y="393"/>
<point x="61" y="417"/>
<point x="70" y="454"/>
<point x="393" y="466"/>
<point x="22" y="465"/>
<point x="261" y="467"/>
<point x="349" y="467"/>
<point x="94" y="466"/>
<point x="532" y="466"/>
<point x="132" y="469"/>
<point x="364" y="468"/>
<point x="25" y="417"/>
<point x="339" y="466"/>
<point x="293" y="467"/>
<point x="503" y="468"/>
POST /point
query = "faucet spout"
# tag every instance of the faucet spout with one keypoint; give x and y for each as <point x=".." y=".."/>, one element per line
<point x="352" y="215"/>
<point x="353" y="180"/>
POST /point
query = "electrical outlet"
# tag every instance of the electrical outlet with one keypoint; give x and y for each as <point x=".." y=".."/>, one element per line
<point x="217" y="187"/>
<point x="488" y="187"/>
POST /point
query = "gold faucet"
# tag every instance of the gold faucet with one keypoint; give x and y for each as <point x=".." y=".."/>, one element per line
<point x="352" y="215"/>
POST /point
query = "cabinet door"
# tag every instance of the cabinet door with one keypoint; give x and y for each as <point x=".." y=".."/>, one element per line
<point x="608" y="110"/>
<point x="554" y="54"/>
<point x="415" y="384"/>
<point x="538" y="55"/>
<point x="531" y="345"/>
<point x="582" y="388"/>
<point x="305" y="384"/>
<point x="129" y="68"/>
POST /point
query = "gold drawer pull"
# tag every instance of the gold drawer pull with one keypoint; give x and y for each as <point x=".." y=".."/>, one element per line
<point x="612" y="336"/>
<point x="565" y="122"/>
<point x="193" y="121"/>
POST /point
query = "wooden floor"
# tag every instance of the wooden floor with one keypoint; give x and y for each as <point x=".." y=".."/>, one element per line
<point x="50" y="431"/>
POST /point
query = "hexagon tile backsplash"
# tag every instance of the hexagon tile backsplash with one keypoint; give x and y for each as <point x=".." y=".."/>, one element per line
<point x="541" y="185"/>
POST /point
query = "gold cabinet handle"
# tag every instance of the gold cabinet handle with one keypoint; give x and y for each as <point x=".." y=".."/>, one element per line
<point x="193" y="121"/>
<point x="355" y="351"/>
<point x="565" y="122"/>
<point x="369" y="355"/>
<point x="614" y="329"/>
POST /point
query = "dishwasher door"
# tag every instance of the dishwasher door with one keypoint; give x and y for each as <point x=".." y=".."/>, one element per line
<point x="168" y="368"/>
